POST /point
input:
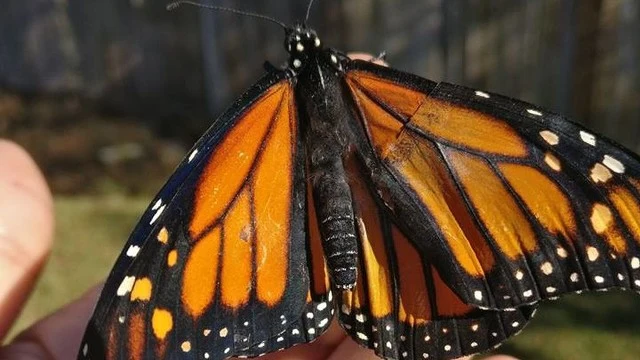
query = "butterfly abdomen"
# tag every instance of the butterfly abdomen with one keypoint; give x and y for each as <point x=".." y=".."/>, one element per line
<point x="335" y="218"/>
<point x="328" y="136"/>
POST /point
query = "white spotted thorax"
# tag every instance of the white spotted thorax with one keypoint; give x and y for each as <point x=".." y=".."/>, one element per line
<point x="300" y="43"/>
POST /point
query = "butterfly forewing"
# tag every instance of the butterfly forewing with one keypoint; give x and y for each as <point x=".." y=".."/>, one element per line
<point x="528" y="205"/>
<point x="225" y="267"/>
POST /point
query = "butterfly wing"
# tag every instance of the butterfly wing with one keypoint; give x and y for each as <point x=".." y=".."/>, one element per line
<point x="220" y="264"/>
<point x="401" y="308"/>
<point x="512" y="204"/>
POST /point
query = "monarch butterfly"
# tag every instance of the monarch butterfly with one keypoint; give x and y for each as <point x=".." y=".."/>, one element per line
<point x="431" y="218"/>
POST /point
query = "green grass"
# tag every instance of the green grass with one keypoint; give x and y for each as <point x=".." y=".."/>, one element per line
<point x="91" y="232"/>
<point x="587" y="326"/>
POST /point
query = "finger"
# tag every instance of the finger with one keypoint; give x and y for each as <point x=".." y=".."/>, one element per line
<point x="57" y="336"/>
<point x="367" y="57"/>
<point x="349" y="350"/>
<point x="320" y="349"/>
<point x="26" y="228"/>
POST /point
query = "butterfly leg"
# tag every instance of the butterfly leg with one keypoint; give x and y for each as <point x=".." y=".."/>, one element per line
<point x="334" y="209"/>
<point x="382" y="57"/>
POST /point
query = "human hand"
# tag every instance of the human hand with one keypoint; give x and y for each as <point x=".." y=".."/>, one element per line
<point x="26" y="236"/>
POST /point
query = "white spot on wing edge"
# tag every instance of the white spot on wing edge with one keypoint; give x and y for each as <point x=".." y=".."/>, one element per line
<point x="546" y="268"/>
<point x="362" y="336"/>
<point x="613" y="164"/>
<point x="550" y="137"/>
<point x="552" y="162"/>
<point x="588" y="138"/>
<point x="157" y="204"/>
<point x="482" y="94"/>
<point x="519" y="275"/>
<point x="192" y="155"/>
<point x="561" y="252"/>
<point x="133" y="251"/>
<point x="126" y="285"/>
<point x="157" y="214"/>
<point x="574" y="277"/>
<point x="85" y="349"/>
<point x="534" y="112"/>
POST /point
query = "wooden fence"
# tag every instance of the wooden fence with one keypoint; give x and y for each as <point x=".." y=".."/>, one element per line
<point x="580" y="58"/>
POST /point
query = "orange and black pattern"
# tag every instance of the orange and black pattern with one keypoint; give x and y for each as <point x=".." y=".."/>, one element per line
<point x="524" y="204"/>
<point x="430" y="217"/>
<point x="401" y="307"/>
<point x="203" y="284"/>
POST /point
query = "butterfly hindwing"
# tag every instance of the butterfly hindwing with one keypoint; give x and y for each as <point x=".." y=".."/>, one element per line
<point x="221" y="264"/>
<point x="528" y="204"/>
<point x="401" y="307"/>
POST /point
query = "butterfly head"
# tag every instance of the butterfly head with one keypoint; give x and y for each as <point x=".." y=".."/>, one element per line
<point x="301" y="42"/>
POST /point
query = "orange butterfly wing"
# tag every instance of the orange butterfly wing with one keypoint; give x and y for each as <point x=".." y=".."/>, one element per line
<point x="401" y="307"/>
<point x="511" y="203"/>
<point x="225" y="266"/>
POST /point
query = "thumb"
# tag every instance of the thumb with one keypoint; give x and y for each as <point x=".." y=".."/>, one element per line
<point x="26" y="228"/>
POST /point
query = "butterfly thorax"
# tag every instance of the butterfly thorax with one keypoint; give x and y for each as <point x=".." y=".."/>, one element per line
<point x="301" y="44"/>
<point x="324" y="115"/>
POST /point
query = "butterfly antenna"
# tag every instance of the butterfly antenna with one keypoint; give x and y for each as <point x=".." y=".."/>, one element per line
<point x="174" y="5"/>
<point x="306" y="18"/>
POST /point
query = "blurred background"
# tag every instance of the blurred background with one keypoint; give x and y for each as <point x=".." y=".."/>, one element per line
<point x="109" y="95"/>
